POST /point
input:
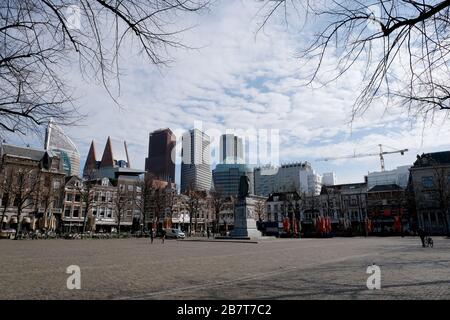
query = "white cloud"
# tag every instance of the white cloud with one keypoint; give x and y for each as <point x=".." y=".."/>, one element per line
<point x="236" y="80"/>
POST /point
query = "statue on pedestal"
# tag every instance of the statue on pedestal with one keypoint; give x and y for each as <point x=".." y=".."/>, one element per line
<point x="244" y="184"/>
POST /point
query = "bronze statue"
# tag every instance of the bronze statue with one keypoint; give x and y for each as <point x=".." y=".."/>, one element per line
<point x="244" y="183"/>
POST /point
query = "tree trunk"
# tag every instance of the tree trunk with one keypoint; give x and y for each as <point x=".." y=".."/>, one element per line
<point x="190" y="223"/>
<point x="19" y="214"/>
<point x="118" y="226"/>
<point x="3" y="216"/>
<point x="85" y="219"/>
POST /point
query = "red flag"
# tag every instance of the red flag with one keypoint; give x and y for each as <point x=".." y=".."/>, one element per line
<point x="397" y="224"/>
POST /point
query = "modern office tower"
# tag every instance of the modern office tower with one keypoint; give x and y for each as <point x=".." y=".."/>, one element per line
<point x="329" y="179"/>
<point x="227" y="174"/>
<point x="286" y="178"/>
<point x="226" y="178"/>
<point x="196" y="161"/>
<point x="231" y="149"/>
<point x="159" y="162"/>
<point x="57" y="141"/>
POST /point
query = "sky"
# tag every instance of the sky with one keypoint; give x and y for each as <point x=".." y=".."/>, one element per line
<point x="237" y="77"/>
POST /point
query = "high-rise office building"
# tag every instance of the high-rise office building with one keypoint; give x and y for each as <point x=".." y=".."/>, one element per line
<point x="227" y="177"/>
<point x="57" y="141"/>
<point x="196" y="161"/>
<point x="227" y="174"/>
<point x="231" y="149"/>
<point x="398" y="176"/>
<point x="159" y="161"/>
<point x="329" y="179"/>
<point x="285" y="178"/>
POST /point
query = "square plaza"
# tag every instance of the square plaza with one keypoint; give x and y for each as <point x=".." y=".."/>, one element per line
<point x="270" y="269"/>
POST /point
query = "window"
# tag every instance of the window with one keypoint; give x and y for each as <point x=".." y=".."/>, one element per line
<point x="109" y="213"/>
<point x="56" y="184"/>
<point x="5" y="199"/>
<point x="103" y="197"/>
<point x="76" y="212"/>
<point x="130" y="187"/>
<point x="69" y="197"/>
<point x="102" y="212"/>
<point x="67" y="211"/>
<point x="108" y="196"/>
<point x="105" y="182"/>
<point x="94" y="212"/>
<point x="77" y="198"/>
<point x="427" y="182"/>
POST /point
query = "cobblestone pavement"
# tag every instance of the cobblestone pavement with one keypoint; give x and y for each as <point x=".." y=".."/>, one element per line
<point x="273" y="269"/>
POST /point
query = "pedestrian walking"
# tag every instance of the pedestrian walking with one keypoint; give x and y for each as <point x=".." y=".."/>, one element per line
<point x="151" y="236"/>
<point x="207" y="231"/>
<point x="421" y="234"/>
<point x="163" y="236"/>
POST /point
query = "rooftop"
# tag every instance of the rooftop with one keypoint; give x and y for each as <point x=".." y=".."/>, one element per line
<point x="432" y="159"/>
<point x="24" y="152"/>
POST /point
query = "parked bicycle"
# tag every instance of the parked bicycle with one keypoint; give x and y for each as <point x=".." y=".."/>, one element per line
<point x="429" y="242"/>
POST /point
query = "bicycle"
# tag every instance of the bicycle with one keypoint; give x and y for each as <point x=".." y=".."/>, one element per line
<point x="429" y="242"/>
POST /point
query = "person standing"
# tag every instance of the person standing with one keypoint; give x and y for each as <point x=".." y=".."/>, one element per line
<point x="151" y="235"/>
<point x="421" y="234"/>
<point x="208" y="232"/>
<point x="163" y="235"/>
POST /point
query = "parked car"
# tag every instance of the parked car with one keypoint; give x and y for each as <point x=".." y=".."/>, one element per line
<point x="174" y="233"/>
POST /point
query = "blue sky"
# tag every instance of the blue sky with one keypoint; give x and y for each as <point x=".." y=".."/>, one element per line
<point x="238" y="78"/>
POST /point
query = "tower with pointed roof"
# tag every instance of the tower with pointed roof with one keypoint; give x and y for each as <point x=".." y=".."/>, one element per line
<point x="91" y="165"/>
<point x="114" y="162"/>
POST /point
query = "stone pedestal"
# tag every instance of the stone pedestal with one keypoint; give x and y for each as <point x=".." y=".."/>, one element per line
<point x="244" y="219"/>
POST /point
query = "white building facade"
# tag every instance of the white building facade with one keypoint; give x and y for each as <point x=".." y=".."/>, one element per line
<point x="196" y="161"/>
<point x="398" y="176"/>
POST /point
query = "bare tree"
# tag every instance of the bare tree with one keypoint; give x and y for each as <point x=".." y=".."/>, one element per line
<point x="260" y="209"/>
<point x="47" y="195"/>
<point x="86" y="190"/>
<point x="193" y="206"/>
<point x="6" y="191"/>
<point x="25" y="184"/>
<point x="218" y="201"/>
<point x="441" y="186"/>
<point x="122" y="204"/>
<point x="401" y="44"/>
<point x="41" y="37"/>
<point x="140" y="199"/>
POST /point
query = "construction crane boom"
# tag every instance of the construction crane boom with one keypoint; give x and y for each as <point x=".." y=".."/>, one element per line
<point x="361" y="155"/>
